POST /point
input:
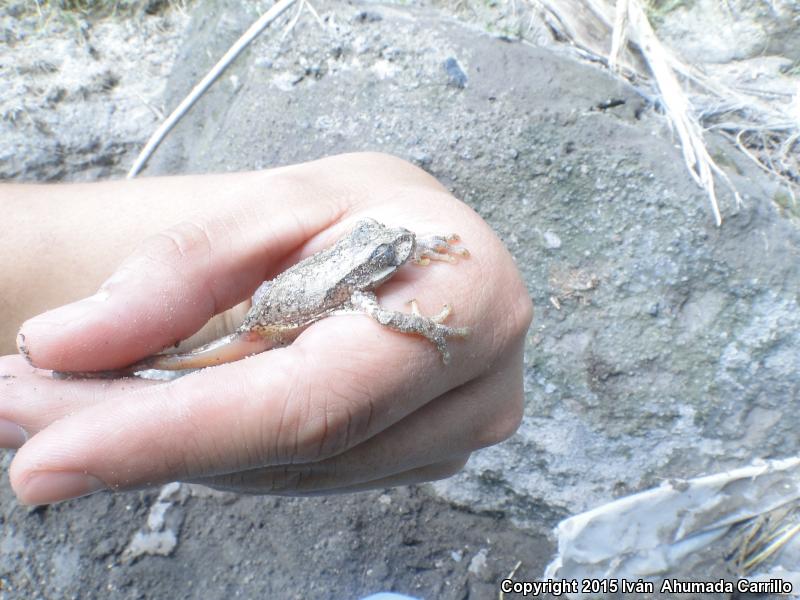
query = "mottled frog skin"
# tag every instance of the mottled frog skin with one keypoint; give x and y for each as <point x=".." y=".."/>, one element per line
<point x="325" y="282"/>
<point x="338" y="280"/>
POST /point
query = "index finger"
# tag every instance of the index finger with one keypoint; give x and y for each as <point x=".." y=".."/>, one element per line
<point x="178" y="279"/>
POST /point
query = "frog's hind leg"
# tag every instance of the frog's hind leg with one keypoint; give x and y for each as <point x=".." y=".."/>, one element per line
<point x="226" y="349"/>
<point x="430" y="328"/>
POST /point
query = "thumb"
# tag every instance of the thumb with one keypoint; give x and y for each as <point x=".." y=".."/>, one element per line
<point x="169" y="288"/>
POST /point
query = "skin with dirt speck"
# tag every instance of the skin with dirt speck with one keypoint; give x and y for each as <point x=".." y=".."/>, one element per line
<point x="338" y="280"/>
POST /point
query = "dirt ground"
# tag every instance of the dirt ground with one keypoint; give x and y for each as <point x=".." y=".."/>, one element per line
<point x="230" y="546"/>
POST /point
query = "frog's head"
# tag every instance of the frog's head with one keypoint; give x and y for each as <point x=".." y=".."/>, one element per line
<point x="382" y="251"/>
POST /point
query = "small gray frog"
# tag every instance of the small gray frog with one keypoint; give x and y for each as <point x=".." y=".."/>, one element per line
<point x="338" y="280"/>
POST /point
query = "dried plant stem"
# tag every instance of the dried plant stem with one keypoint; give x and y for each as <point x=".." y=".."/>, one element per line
<point x="248" y="36"/>
<point x="678" y="110"/>
<point x="293" y="21"/>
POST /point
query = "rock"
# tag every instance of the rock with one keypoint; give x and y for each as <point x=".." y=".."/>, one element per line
<point x="477" y="564"/>
<point x="742" y="30"/>
<point x="551" y="240"/>
<point x="662" y="345"/>
<point x="153" y="543"/>
<point x="88" y="103"/>
<point x="455" y="74"/>
<point x="367" y="16"/>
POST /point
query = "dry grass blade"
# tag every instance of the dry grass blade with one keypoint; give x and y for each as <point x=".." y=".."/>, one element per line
<point x="765" y="536"/>
<point x="294" y="20"/>
<point x="314" y="13"/>
<point x="676" y="105"/>
<point x="771" y="546"/>
<point x="501" y="595"/>
<point x="764" y="123"/>
<point x="248" y="36"/>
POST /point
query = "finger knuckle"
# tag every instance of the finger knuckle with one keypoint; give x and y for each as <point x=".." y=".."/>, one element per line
<point x="380" y="160"/>
<point x="185" y="241"/>
<point x="513" y="317"/>
<point x="326" y="422"/>
<point x="519" y="314"/>
<point x="447" y="469"/>
<point x="503" y="422"/>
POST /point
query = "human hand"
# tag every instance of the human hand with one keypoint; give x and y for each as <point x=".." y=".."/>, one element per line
<point x="349" y="405"/>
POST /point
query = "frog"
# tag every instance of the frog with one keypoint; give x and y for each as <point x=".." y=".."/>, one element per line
<point x="341" y="279"/>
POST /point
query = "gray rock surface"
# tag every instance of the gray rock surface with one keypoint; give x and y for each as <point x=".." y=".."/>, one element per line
<point x="742" y="29"/>
<point x="228" y="546"/>
<point x="77" y="98"/>
<point x="662" y="345"/>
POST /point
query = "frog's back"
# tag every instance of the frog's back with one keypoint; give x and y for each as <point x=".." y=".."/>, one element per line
<point x="306" y="292"/>
<point x="323" y="282"/>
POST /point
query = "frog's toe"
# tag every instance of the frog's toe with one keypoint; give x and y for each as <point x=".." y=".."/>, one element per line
<point x="439" y="247"/>
<point x="461" y="332"/>
<point x="439" y="337"/>
<point x="439" y="317"/>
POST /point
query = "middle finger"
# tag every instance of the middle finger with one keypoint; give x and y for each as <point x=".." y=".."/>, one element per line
<point x="479" y="413"/>
<point x="311" y="400"/>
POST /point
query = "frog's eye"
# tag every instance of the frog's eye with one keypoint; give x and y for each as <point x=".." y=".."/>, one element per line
<point x="383" y="255"/>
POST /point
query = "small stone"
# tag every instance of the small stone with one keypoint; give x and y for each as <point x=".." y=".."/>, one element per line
<point x="236" y="84"/>
<point x="391" y="53"/>
<point x="286" y="81"/>
<point x="551" y="240"/>
<point x="15" y="9"/>
<point x="361" y="45"/>
<point x="455" y="74"/>
<point x="367" y="16"/>
<point x="421" y="158"/>
<point x="478" y="563"/>
<point x="160" y="543"/>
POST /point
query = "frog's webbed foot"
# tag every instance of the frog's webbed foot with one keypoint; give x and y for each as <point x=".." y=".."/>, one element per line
<point x="430" y="328"/>
<point x="438" y="247"/>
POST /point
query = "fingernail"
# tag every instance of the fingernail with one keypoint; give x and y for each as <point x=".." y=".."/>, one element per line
<point x="23" y="349"/>
<point x="46" y="487"/>
<point x="69" y="313"/>
<point x="11" y="435"/>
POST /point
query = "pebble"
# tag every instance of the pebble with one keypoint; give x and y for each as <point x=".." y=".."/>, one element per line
<point x="478" y="563"/>
<point x="455" y="74"/>
<point x="421" y="158"/>
<point x="551" y="240"/>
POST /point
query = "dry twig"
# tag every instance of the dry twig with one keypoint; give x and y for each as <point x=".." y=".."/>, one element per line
<point x="676" y="105"/>
<point x="248" y="36"/>
<point x="589" y="25"/>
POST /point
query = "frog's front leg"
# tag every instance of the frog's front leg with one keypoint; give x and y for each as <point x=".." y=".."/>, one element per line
<point x="430" y="328"/>
<point x="438" y="247"/>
